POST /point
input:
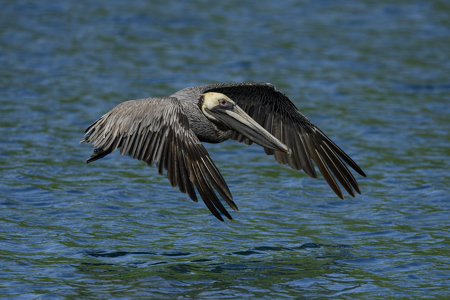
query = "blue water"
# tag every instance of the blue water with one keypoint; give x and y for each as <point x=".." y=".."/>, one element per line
<point x="374" y="76"/>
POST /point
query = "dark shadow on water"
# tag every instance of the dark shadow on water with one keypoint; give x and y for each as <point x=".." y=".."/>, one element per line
<point x="258" y="268"/>
<point x="254" y="251"/>
<point x="102" y="253"/>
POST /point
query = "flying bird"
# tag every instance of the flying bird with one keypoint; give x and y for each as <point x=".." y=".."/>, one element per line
<point x="169" y="131"/>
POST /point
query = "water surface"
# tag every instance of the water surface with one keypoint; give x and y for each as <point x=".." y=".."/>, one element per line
<point x="373" y="76"/>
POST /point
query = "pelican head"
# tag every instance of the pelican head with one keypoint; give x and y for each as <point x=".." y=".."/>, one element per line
<point x="220" y="109"/>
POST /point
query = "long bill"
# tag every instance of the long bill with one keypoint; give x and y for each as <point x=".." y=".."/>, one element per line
<point x="240" y="121"/>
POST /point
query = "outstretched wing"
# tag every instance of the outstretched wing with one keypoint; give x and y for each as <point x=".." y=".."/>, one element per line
<point x="157" y="130"/>
<point x="277" y="114"/>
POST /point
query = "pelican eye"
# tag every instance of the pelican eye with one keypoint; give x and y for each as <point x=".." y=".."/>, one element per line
<point x="223" y="102"/>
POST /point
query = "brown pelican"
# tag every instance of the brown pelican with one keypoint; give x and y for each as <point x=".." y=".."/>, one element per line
<point x="169" y="130"/>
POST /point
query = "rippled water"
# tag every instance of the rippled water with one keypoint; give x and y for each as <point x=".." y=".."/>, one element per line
<point x="374" y="76"/>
